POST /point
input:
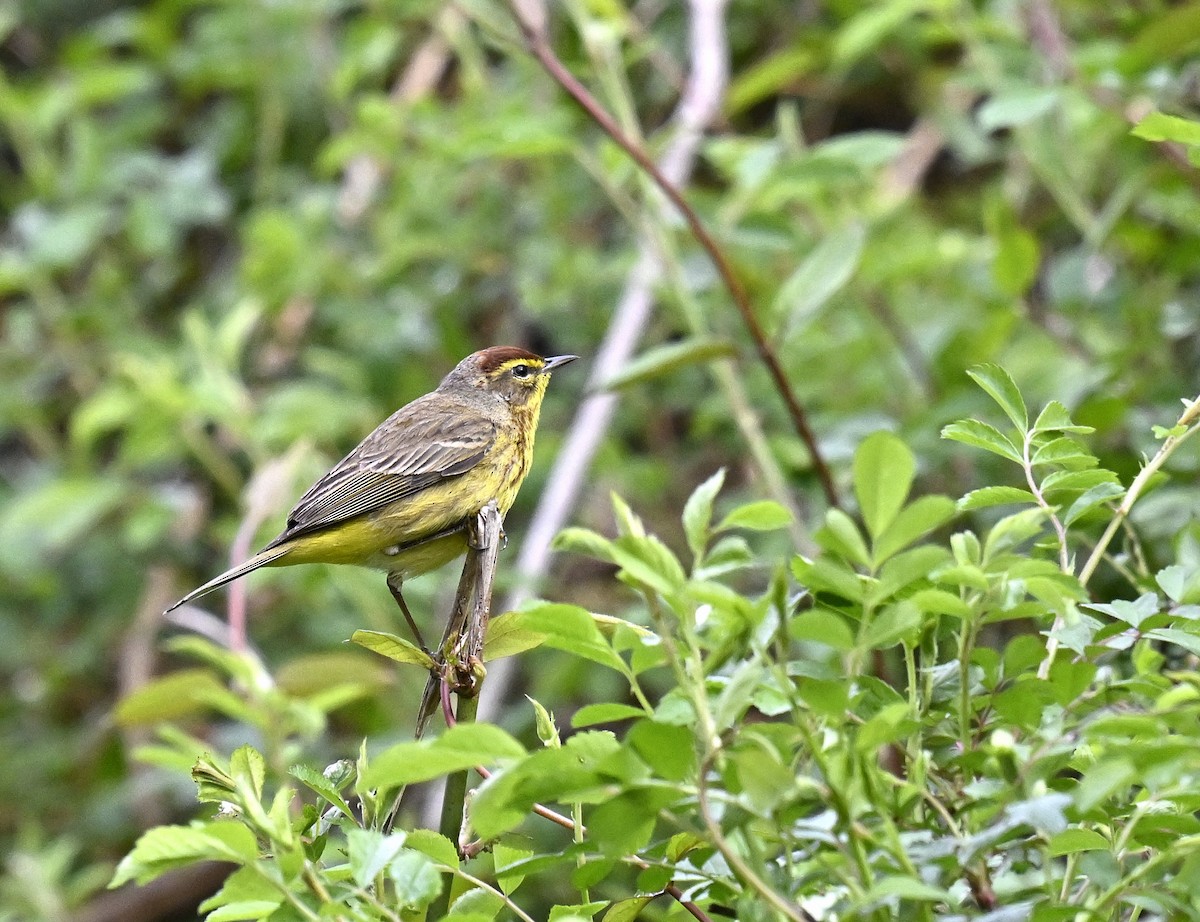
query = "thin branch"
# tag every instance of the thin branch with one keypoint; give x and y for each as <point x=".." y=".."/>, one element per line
<point x="1190" y="418"/>
<point x="530" y="16"/>
<point x="734" y="860"/>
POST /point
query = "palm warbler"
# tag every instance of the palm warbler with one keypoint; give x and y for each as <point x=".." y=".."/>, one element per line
<point x="401" y="500"/>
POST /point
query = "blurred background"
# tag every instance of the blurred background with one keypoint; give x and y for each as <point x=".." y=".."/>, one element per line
<point x="236" y="236"/>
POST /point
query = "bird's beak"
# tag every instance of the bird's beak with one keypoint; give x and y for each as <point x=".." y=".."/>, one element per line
<point x="556" y="360"/>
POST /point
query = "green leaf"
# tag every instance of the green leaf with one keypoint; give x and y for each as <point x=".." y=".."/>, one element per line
<point x="592" y="714"/>
<point x="318" y="783"/>
<point x="898" y="623"/>
<point x="418" y="882"/>
<point x="645" y="561"/>
<point x="1159" y="127"/>
<point x="662" y="360"/>
<point x="763" y="515"/>
<point x="1018" y="105"/>
<point x="670" y="750"/>
<point x="393" y="647"/>
<point x="433" y="844"/>
<point x="1181" y="584"/>
<point x="164" y="848"/>
<point x="981" y="435"/>
<point x="883" y="474"/>
<point x="1078" y="480"/>
<point x="821" y="275"/>
<point x="459" y="748"/>
<point x="504" y="856"/>
<point x="571" y="629"/>
<point x="904" y="569"/>
<point x="369" y="851"/>
<point x="697" y="513"/>
<point x="825" y="575"/>
<point x="941" y="602"/>
<point x="1055" y="418"/>
<point x="914" y="521"/>
<point x="244" y="896"/>
<point x="1065" y="452"/>
<point x="986" y="497"/>
<point x="1102" y="780"/>
<point x="627" y="910"/>
<point x="1076" y="839"/>
<point x="1090" y="499"/>
<point x="578" y="912"/>
<point x="175" y="695"/>
<point x="841" y="537"/>
<point x="1001" y="388"/>
<point x="547" y="729"/>
<point x="906" y="888"/>
<point x="583" y="541"/>
<point x="822" y="627"/>
<point x="509" y="634"/>
<point x="828" y="697"/>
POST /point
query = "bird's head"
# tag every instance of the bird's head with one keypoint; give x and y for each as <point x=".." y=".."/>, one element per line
<point x="515" y="375"/>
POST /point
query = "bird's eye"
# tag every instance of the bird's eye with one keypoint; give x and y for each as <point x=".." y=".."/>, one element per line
<point x="520" y="371"/>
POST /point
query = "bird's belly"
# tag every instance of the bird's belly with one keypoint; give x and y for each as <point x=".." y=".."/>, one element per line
<point x="408" y="537"/>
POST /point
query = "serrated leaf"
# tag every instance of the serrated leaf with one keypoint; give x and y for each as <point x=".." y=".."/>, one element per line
<point x="883" y="474"/>
<point x="1066" y="452"/>
<point x="319" y="784"/>
<point x="393" y="647"/>
<point x="986" y="497"/>
<point x="697" y="513"/>
<point x="1055" y="418"/>
<point x="164" y="848"/>
<point x="505" y="856"/>
<point x="433" y="844"/>
<point x="1096" y="496"/>
<point x="1078" y="480"/>
<point x="662" y="360"/>
<point x="509" y="634"/>
<point x="461" y="747"/>
<point x="1002" y="389"/>
<point x="763" y="515"/>
<point x="981" y="435"/>
<point x="571" y="629"/>
<point x="369" y="851"/>
<point x="417" y="881"/>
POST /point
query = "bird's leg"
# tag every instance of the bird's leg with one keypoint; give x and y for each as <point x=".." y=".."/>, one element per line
<point x="393" y="582"/>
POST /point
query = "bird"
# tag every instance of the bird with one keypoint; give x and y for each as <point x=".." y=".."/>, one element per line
<point x="401" y="500"/>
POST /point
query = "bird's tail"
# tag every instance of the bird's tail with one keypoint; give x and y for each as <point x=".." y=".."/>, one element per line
<point x="261" y="559"/>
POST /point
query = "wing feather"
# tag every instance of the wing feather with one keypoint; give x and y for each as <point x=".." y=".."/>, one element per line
<point x="418" y="446"/>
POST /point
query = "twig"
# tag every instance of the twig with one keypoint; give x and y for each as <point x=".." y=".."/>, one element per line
<point x="700" y="104"/>
<point x="1190" y="418"/>
<point x="734" y="860"/>
<point x="706" y="15"/>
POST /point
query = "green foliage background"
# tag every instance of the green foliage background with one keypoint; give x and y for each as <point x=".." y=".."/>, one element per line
<point x="190" y="290"/>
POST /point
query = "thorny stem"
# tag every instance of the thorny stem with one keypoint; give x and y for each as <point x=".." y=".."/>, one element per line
<point x="530" y="17"/>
